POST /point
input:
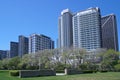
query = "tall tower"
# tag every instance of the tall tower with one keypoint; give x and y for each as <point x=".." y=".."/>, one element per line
<point x="109" y="32"/>
<point x="65" y="29"/>
<point x="13" y="49"/>
<point x="23" y="45"/>
<point x="3" y="54"/>
<point x="39" y="42"/>
<point x="87" y="29"/>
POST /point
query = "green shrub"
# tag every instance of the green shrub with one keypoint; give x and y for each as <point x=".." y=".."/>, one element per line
<point x="88" y="71"/>
<point x="94" y="71"/>
<point x="2" y="71"/>
<point x="117" y="67"/>
<point x="60" y="71"/>
<point x="14" y="73"/>
<point x="102" y="71"/>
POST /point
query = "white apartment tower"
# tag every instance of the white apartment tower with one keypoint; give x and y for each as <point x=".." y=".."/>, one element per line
<point x="87" y="29"/>
<point x="65" y="29"/>
<point x="39" y="42"/>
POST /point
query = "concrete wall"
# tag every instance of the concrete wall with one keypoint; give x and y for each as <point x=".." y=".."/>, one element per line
<point x="72" y="71"/>
<point x="36" y="73"/>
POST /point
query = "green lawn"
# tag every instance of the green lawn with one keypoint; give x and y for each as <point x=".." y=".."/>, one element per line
<point x="95" y="76"/>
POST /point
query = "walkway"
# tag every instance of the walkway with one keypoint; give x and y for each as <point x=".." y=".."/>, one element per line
<point x="60" y="74"/>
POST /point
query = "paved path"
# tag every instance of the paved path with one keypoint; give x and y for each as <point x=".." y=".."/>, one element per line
<point x="60" y="74"/>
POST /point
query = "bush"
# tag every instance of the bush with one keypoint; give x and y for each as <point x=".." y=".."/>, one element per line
<point x="14" y="73"/>
<point x="82" y="66"/>
<point x="60" y="71"/>
<point x="117" y="67"/>
<point x="88" y="71"/>
<point x="94" y="71"/>
<point x="36" y="73"/>
<point x="102" y="71"/>
<point x="2" y="71"/>
<point x="59" y="66"/>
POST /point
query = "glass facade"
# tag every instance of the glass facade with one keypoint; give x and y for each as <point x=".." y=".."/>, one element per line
<point x="23" y="46"/>
<point x="109" y="32"/>
<point x="13" y="49"/>
<point x="3" y="54"/>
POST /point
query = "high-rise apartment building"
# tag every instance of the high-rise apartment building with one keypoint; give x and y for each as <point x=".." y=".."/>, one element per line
<point x="39" y="42"/>
<point x="13" y="49"/>
<point x="65" y="29"/>
<point x="87" y="29"/>
<point x="23" y="45"/>
<point x="4" y="54"/>
<point x="109" y="32"/>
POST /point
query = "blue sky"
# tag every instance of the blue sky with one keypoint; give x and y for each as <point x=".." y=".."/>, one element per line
<point x="24" y="17"/>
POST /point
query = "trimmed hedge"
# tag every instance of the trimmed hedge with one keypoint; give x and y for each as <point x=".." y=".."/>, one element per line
<point x="88" y="71"/>
<point x="76" y="71"/>
<point x="94" y="71"/>
<point x="14" y="73"/>
<point x="102" y="71"/>
<point x="60" y="71"/>
<point x="36" y="73"/>
<point x="72" y="71"/>
<point x="2" y="71"/>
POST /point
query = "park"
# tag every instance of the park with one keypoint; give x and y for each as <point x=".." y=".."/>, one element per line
<point x="4" y="75"/>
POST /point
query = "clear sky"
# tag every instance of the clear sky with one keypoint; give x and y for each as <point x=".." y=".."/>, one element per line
<point x="24" y="17"/>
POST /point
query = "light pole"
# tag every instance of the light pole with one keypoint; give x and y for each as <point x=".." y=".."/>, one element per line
<point x="39" y="63"/>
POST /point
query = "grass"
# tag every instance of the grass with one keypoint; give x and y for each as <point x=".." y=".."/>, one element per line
<point x="4" y="75"/>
